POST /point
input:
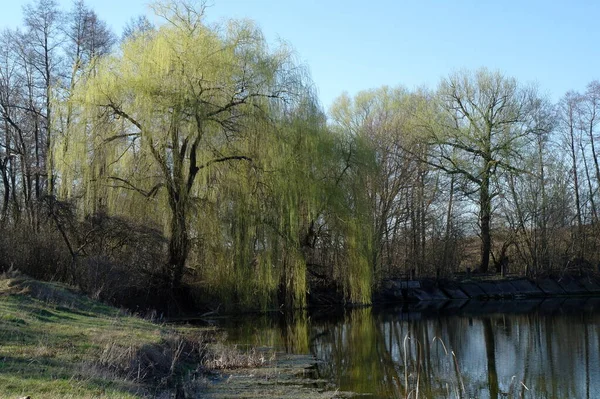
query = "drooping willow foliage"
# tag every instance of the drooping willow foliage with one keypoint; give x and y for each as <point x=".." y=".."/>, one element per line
<point x="219" y="140"/>
<point x="211" y="147"/>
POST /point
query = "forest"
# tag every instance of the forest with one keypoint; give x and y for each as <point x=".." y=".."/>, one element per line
<point x="192" y="165"/>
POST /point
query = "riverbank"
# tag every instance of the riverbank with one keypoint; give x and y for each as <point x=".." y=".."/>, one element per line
<point x="57" y="343"/>
<point x="286" y="376"/>
<point x="488" y="287"/>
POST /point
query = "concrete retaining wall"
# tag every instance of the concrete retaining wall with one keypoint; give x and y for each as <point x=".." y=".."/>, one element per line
<point x="431" y="290"/>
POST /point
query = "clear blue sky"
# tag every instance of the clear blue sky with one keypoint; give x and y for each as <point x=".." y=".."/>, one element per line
<point x="351" y="45"/>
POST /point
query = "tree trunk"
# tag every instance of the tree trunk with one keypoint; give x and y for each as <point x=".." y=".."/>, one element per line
<point x="485" y="203"/>
<point x="16" y="209"/>
<point x="589" y="184"/>
<point x="178" y="245"/>
<point x="49" y="164"/>
<point x="422" y="221"/>
<point x="415" y="230"/>
<point x="6" y="194"/>
<point x="542" y="254"/>
<point x="446" y="262"/>
<point x="5" y="178"/>
<point x="579" y="235"/>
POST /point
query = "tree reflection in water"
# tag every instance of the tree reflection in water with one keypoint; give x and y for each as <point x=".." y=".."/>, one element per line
<point x="552" y="351"/>
<point x="390" y="355"/>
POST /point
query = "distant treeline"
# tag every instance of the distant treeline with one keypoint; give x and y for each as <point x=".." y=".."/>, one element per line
<point x="193" y="164"/>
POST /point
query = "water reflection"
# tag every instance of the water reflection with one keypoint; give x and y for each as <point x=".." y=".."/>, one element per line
<point x="550" y="351"/>
<point x="286" y="332"/>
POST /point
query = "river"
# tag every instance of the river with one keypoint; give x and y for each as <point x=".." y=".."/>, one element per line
<point x="531" y="349"/>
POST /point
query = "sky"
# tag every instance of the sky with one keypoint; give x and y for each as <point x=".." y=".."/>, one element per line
<point x="351" y="45"/>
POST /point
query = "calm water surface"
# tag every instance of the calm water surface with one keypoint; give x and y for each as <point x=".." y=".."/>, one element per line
<point x="529" y="349"/>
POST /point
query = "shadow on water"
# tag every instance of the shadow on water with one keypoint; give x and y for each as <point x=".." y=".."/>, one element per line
<point x="519" y="349"/>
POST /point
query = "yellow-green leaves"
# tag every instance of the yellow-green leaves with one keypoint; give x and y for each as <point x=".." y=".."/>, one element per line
<point x="194" y="128"/>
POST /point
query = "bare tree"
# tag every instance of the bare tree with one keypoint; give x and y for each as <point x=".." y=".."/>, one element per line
<point x="42" y="40"/>
<point x="484" y="123"/>
<point x="7" y="155"/>
<point x="568" y="109"/>
<point x="136" y="26"/>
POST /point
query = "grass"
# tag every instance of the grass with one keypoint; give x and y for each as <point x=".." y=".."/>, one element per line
<point x="56" y="343"/>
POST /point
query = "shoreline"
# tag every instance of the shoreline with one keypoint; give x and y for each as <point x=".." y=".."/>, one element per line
<point x="485" y="288"/>
<point x="287" y="376"/>
<point x="57" y="343"/>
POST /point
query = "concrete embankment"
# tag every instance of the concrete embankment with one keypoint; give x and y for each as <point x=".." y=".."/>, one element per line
<point x="397" y="290"/>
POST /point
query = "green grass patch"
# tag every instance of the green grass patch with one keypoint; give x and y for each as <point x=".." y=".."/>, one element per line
<point x="56" y="343"/>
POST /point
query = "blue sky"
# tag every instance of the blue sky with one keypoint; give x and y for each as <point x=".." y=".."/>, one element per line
<point x="353" y="45"/>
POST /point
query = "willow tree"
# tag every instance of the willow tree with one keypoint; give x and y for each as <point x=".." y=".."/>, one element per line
<point x="397" y="180"/>
<point x="261" y="212"/>
<point x="171" y="106"/>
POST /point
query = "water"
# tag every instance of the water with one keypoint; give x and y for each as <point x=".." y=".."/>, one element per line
<point x="545" y="349"/>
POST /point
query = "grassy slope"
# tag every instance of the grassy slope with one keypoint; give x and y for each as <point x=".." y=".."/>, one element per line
<point x="55" y="343"/>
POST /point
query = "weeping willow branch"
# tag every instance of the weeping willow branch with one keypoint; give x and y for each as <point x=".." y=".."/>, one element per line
<point x="225" y="159"/>
<point x="118" y="111"/>
<point x="129" y="186"/>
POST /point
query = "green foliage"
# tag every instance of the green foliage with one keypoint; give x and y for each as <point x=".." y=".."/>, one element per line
<point x="212" y="135"/>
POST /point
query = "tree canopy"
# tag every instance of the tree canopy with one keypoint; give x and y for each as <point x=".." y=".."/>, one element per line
<point x="210" y="146"/>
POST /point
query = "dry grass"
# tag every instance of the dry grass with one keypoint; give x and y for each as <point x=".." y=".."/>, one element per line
<point x="221" y="357"/>
<point x="455" y="382"/>
<point x="56" y="343"/>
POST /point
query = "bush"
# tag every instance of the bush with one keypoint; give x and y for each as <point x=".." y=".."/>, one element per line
<point x="120" y="259"/>
<point x="109" y="258"/>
